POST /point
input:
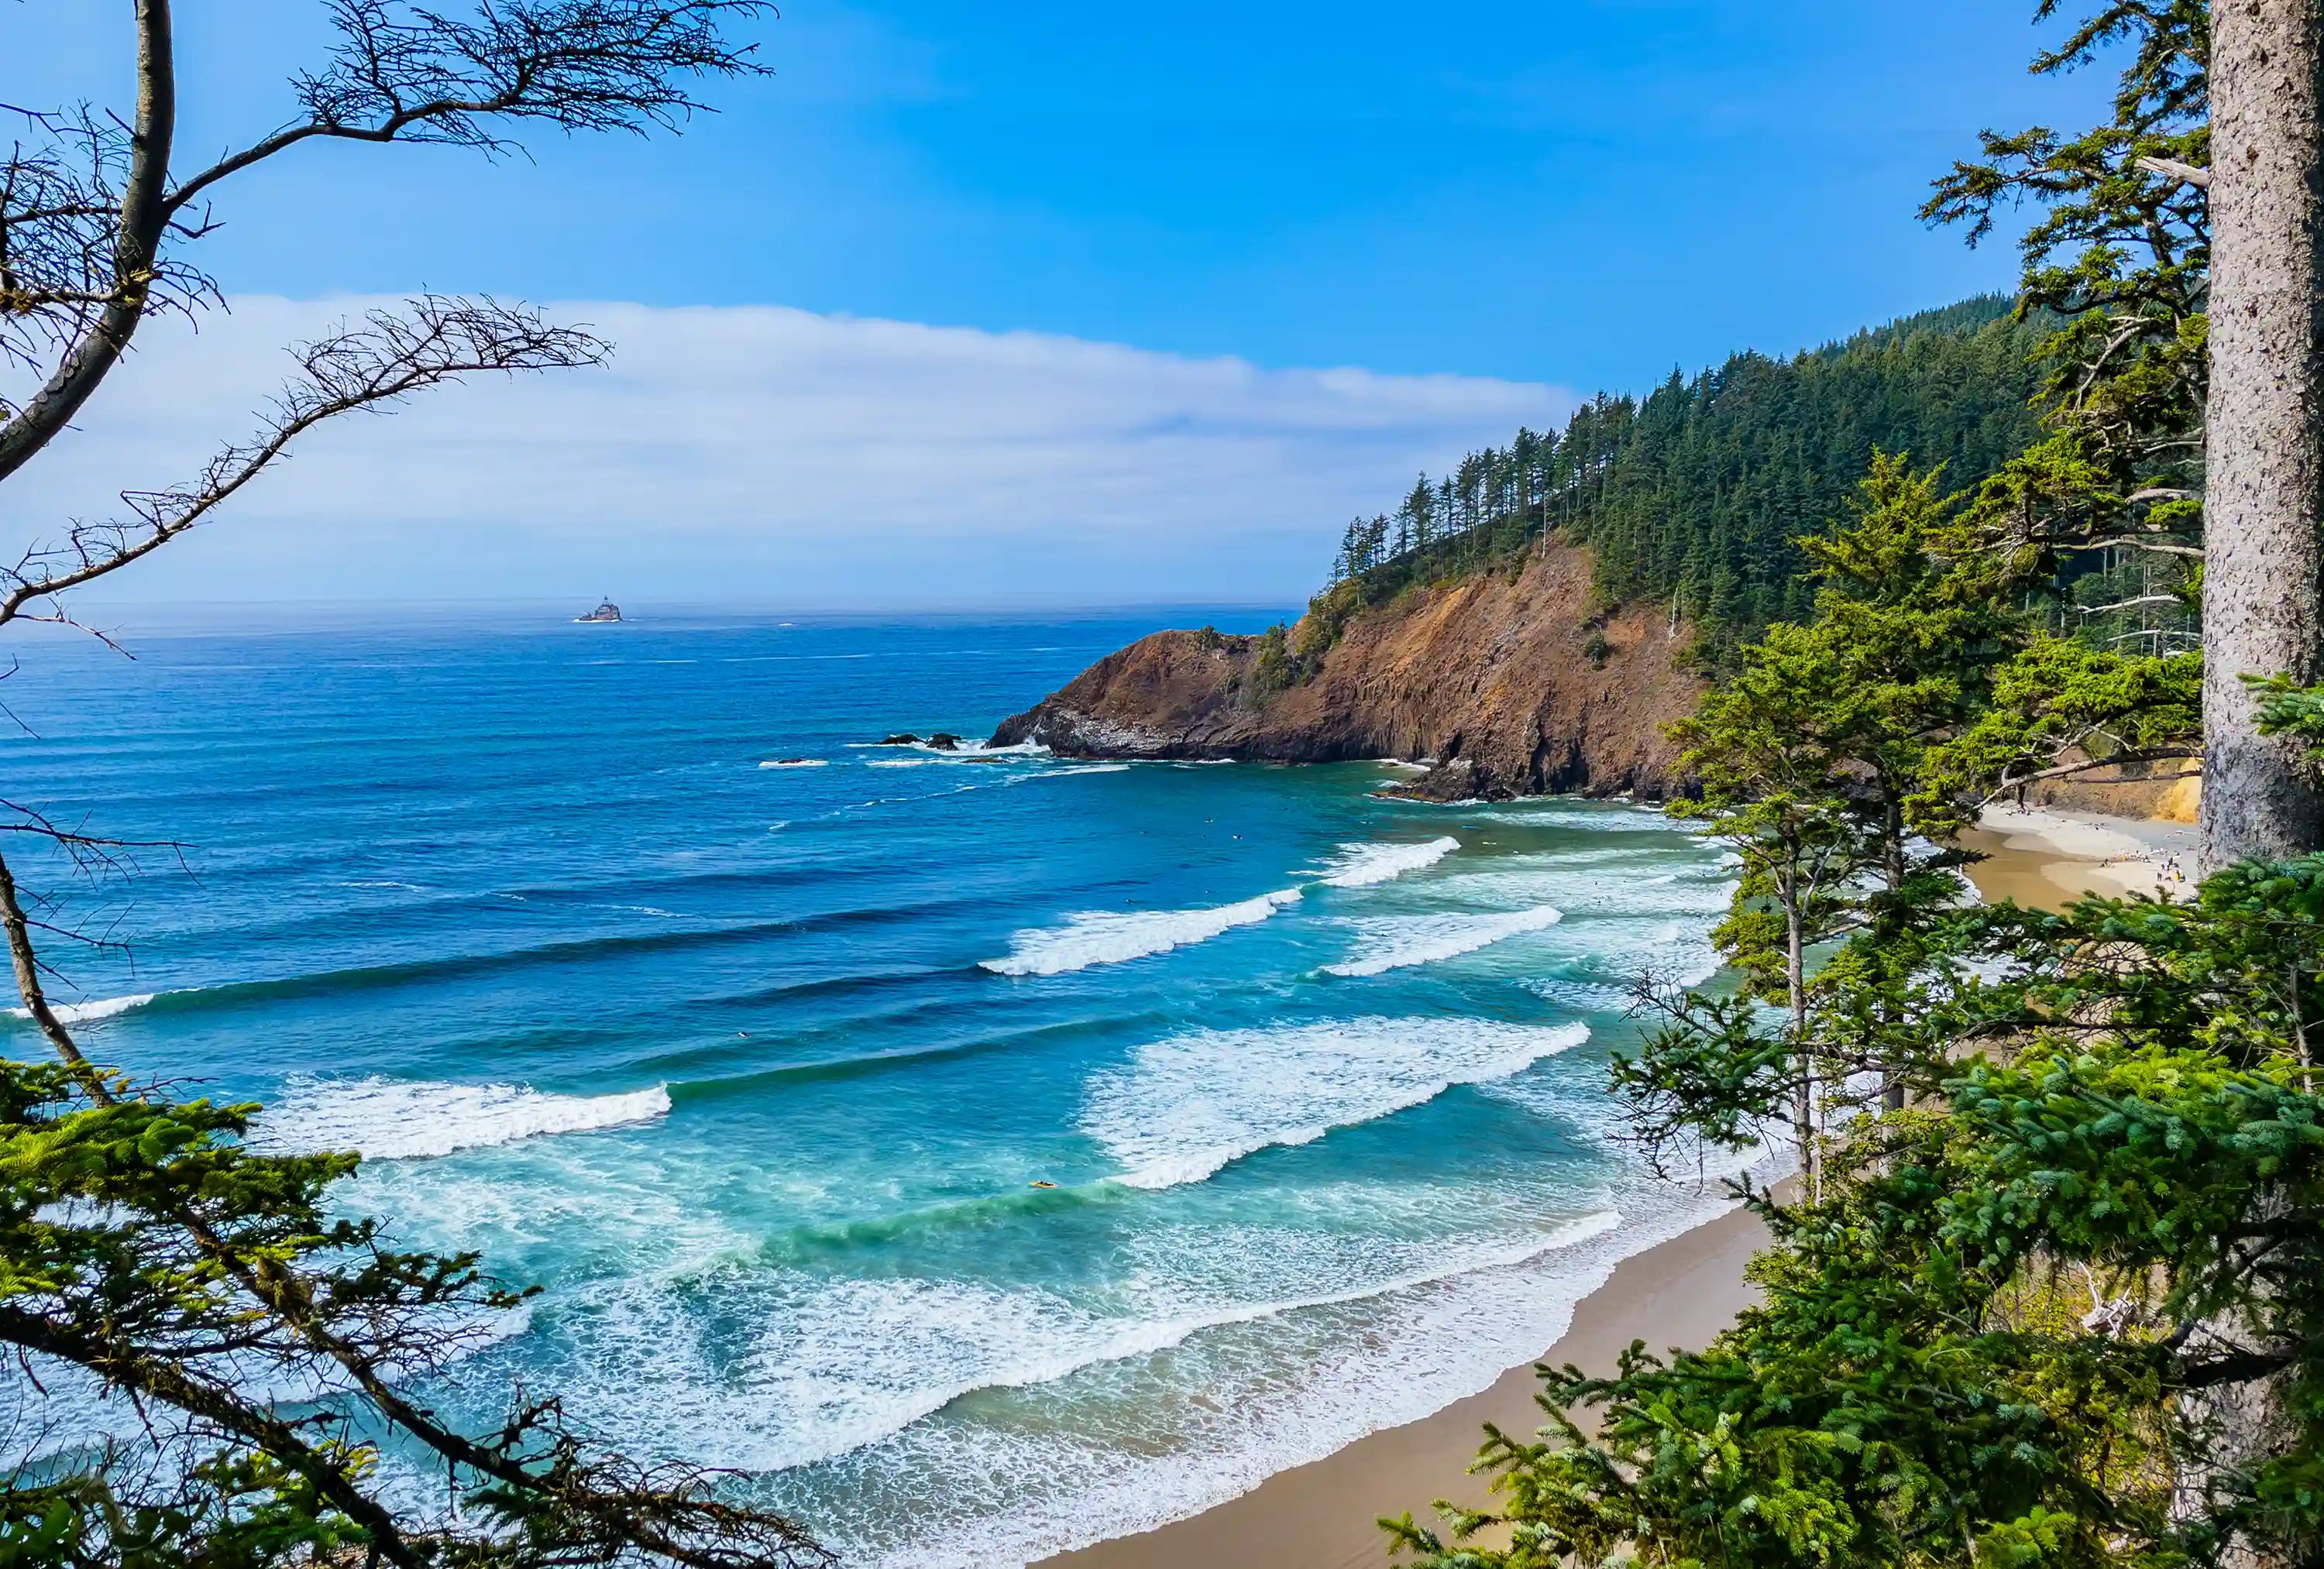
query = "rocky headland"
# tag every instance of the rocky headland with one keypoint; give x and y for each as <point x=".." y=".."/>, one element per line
<point x="1503" y="683"/>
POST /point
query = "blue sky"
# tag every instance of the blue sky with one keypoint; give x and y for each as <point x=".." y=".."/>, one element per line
<point x="1565" y="195"/>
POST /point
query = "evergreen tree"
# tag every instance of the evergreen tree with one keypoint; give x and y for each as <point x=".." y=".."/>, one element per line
<point x="1701" y="493"/>
<point x="2060" y="1300"/>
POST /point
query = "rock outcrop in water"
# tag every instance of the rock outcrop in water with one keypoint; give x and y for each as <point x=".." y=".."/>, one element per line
<point x="1505" y="684"/>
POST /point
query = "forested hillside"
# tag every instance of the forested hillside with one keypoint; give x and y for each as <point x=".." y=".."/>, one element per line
<point x="1696" y="494"/>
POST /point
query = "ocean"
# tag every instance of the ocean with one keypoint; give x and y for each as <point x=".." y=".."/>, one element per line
<point x="982" y="1153"/>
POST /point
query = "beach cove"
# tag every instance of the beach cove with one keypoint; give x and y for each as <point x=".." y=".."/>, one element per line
<point x="1678" y="1293"/>
<point x="1160" y="1161"/>
<point x="1054" y="1148"/>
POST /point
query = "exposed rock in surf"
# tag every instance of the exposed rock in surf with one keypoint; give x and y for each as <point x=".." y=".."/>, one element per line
<point x="901" y="739"/>
<point x="1506" y="684"/>
<point x="945" y="742"/>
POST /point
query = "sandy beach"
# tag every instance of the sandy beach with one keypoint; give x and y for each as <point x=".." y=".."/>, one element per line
<point x="1322" y="1516"/>
<point x="1681" y="1293"/>
<point x="2044" y="857"/>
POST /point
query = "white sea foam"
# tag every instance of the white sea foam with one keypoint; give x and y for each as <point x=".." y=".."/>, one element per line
<point x="1607" y="957"/>
<point x="1096" y="937"/>
<point x="1408" y="1348"/>
<point x="855" y="1383"/>
<point x="1596" y="884"/>
<point x="392" y="1120"/>
<point x="833" y="1365"/>
<point x="965" y="750"/>
<point x="1181" y="1109"/>
<point x="1566" y="813"/>
<point x="90" y="1012"/>
<point x="796" y="763"/>
<point x="1400" y="941"/>
<point x="1360" y="866"/>
<point x="1083" y="768"/>
<point x="1075" y="1341"/>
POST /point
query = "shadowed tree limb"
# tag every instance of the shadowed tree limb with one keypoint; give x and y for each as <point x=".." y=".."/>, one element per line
<point x="436" y="339"/>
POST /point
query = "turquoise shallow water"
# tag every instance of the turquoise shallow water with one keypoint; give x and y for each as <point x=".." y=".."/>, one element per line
<point x="754" y="1067"/>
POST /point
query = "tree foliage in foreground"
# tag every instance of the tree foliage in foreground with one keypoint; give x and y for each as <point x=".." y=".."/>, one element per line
<point x="2066" y="1309"/>
<point x="2055" y="1298"/>
<point x="252" y="1349"/>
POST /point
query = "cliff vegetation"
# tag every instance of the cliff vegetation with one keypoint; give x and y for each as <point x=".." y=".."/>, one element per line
<point x="1696" y="495"/>
<point x="1534" y="621"/>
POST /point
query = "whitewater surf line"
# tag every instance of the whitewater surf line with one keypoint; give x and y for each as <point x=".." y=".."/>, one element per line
<point x="1104" y="937"/>
<point x="1091" y="1342"/>
<point x="90" y="1012"/>
<point x="1116" y="1118"/>
<point x="1184" y="1108"/>
<point x="1362" y="866"/>
<point x="1403" y="942"/>
<point x="1096" y="937"/>
<point x="388" y="1120"/>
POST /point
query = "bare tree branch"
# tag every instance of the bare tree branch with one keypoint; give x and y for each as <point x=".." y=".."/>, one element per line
<point x="87" y="203"/>
<point x="2138" y="542"/>
<point x="2172" y="168"/>
<point x="580" y="65"/>
<point x="2132" y="605"/>
<point x="2088" y="764"/>
<point x="435" y="340"/>
<point x="205" y="1251"/>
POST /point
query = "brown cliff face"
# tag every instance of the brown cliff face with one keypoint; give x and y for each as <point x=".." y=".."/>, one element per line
<point x="1502" y="681"/>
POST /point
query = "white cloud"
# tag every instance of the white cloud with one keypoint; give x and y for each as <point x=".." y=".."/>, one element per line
<point x="770" y="456"/>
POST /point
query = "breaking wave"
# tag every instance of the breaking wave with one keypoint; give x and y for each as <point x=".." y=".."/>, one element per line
<point x="1397" y="942"/>
<point x="87" y="1012"/>
<point x="846" y="1363"/>
<point x="1095" y="937"/>
<point x="1182" y="1108"/>
<point x="388" y="1120"/>
<point x="1361" y="866"/>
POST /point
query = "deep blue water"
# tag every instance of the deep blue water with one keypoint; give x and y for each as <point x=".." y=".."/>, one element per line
<point x="754" y="1068"/>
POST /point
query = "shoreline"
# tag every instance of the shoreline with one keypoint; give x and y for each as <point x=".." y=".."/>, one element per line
<point x="2042" y="858"/>
<point x="1680" y="1292"/>
<point x="1323" y="1515"/>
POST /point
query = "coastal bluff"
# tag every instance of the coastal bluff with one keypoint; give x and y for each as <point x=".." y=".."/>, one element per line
<point x="1502" y="683"/>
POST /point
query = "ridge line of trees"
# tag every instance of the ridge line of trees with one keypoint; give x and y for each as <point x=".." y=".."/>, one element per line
<point x="1697" y="493"/>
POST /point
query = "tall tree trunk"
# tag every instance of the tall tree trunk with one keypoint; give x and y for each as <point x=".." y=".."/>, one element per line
<point x="1892" y="871"/>
<point x="1803" y="1097"/>
<point x="2263" y="568"/>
